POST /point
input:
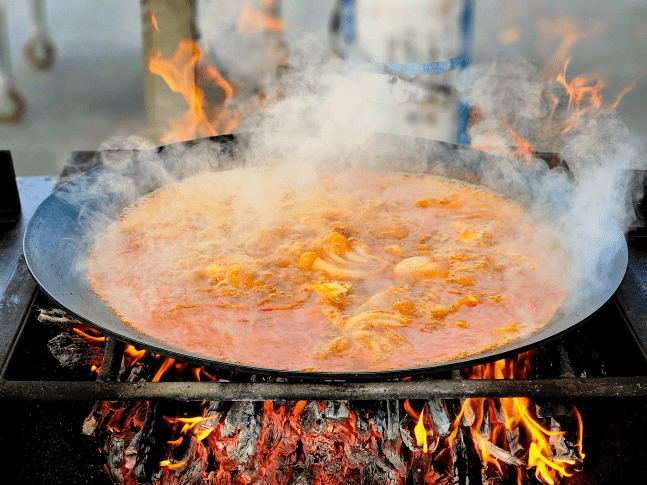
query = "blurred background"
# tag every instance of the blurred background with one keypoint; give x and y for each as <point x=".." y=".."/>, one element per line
<point x="99" y="85"/>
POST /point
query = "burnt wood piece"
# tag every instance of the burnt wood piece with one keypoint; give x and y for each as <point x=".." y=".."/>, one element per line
<point x="406" y="434"/>
<point x="152" y="448"/>
<point x="440" y="417"/>
<point x="565" y="367"/>
<point x="74" y="351"/>
<point x="262" y="391"/>
<point x="244" y="418"/>
<point x="58" y="317"/>
<point x="112" y="359"/>
<point x="392" y="419"/>
<point x="513" y="438"/>
<point x="467" y="465"/>
<point x="499" y="453"/>
<point x="391" y="441"/>
<point x="336" y="410"/>
<point x="114" y="459"/>
<point x="312" y="419"/>
<point x="195" y="465"/>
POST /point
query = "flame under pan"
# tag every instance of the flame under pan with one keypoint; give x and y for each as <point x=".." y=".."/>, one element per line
<point x="56" y="242"/>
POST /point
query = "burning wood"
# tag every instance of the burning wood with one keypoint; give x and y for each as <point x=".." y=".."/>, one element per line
<point x="494" y="441"/>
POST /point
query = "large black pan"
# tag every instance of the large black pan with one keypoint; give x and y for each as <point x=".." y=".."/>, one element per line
<point x="56" y="240"/>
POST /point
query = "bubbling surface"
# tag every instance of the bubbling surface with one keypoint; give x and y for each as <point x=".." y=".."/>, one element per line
<point x="352" y="272"/>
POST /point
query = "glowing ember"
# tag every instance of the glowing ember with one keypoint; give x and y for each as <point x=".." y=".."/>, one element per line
<point x="336" y="443"/>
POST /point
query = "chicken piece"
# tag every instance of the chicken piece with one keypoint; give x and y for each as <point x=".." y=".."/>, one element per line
<point x="339" y="244"/>
<point x="375" y="318"/>
<point x="418" y="268"/>
<point x="469" y="300"/>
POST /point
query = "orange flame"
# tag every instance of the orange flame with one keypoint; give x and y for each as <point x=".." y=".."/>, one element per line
<point x="154" y="22"/>
<point x="171" y="466"/>
<point x="133" y="354"/>
<point x="179" y="73"/>
<point x="421" y="433"/>
<point x="166" y="365"/>
<point x="88" y="337"/>
<point x="188" y="69"/>
<point x="584" y="97"/>
<point x="580" y="433"/>
<point x="517" y="415"/>
<point x="522" y="145"/>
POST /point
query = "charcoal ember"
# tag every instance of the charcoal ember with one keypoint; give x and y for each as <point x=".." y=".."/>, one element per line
<point x="442" y="423"/>
<point x="278" y="444"/>
<point x="139" y="372"/>
<point x="130" y="453"/>
<point x="466" y="463"/>
<point x="514" y="442"/>
<point x="336" y="410"/>
<point x="485" y="430"/>
<point x="152" y="448"/>
<point x="469" y="415"/>
<point x="433" y="477"/>
<point x="212" y="415"/>
<point x="443" y="459"/>
<point x="243" y="418"/>
<point x="420" y="465"/>
<point x="374" y="474"/>
<point x="406" y="434"/>
<point x="234" y="439"/>
<point x="499" y="454"/>
<point x="115" y="449"/>
<point x="302" y="476"/>
<point x="551" y="409"/>
<point x="313" y="421"/>
<point x="327" y="453"/>
<point x="102" y="416"/>
<point x="235" y="416"/>
<point x="378" y="419"/>
<point x="74" y="351"/>
<point x="392" y="430"/>
<point x="218" y="477"/>
<point x="93" y="421"/>
<point x="393" y="452"/>
<point x="498" y="412"/>
<point x="562" y="447"/>
<point x="118" y="417"/>
<point x="195" y="459"/>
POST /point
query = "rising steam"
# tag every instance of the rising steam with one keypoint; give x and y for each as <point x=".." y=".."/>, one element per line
<point x="311" y="127"/>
